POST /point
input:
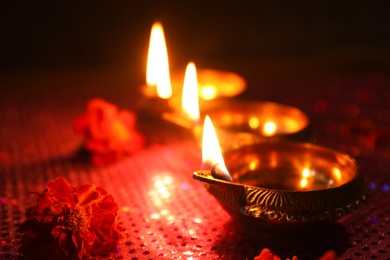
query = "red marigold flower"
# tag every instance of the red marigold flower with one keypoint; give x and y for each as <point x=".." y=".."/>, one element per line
<point x="329" y="255"/>
<point x="267" y="254"/>
<point x="110" y="133"/>
<point x="82" y="221"/>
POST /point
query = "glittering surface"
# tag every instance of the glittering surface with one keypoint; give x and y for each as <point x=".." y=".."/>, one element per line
<point x="168" y="215"/>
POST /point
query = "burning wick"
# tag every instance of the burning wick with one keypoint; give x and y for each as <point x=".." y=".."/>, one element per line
<point x="211" y="153"/>
<point x="215" y="172"/>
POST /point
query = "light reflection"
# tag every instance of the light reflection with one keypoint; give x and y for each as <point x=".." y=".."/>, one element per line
<point x="273" y="162"/>
<point x="253" y="165"/>
<point x="304" y="183"/>
<point x="269" y="128"/>
<point x="208" y="92"/>
<point x="191" y="231"/>
<point x="155" y="216"/>
<point x="305" y="175"/>
<point x="337" y="174"/>
<point x="126" y="209"/>
<point x="164" y="212"/>
<point x="305" y="172"/>
<point x="197" y="220"/>
<point x="254" y="122"/>
<point x="170" y="218"/>
<point x="160" y="194"/>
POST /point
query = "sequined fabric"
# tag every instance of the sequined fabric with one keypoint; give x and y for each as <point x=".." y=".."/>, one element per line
<point x="168" y="215"/>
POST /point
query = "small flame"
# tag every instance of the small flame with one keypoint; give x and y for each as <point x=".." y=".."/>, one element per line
<point x="211" y="152"/>
<point x="269" y="128"/>
<point x="157" y="71"/>
<point x="190" y="99"/>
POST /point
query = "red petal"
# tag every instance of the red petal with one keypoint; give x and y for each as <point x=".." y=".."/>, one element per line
<point x="109" y="204"/>
<point x="267" y="254"/>
<point x="81" y="124"/>
<point x="45" y="200"/>
<point x="96" y="221"/>
<point x="128" y="118"/>
<point x="59" y="188"/>
<point x="328" y="255"/>
<point x="87" y="193"/>
<point x="107" y="223"/>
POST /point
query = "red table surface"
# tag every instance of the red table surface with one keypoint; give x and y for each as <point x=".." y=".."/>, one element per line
<point x="168" y="215"/>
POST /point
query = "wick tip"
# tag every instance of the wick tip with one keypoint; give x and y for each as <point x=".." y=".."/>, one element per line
<point x="221" y="176"/>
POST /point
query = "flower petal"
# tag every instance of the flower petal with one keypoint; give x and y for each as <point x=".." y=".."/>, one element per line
<point x="87" y="193"/>
<point x="59" y="188"/>
<point x="267" y="254"/>
<point x="108" y="203"/>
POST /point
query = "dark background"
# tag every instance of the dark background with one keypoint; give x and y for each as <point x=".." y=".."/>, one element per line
<point x="260" y="40"/>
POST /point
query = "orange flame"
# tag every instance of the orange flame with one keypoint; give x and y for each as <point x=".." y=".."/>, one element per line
<point x="157" y="71"/>
<point x="190" y="98"/>
<point x="211" y="152"/>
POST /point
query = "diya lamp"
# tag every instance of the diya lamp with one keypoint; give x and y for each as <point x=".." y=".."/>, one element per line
<point x="280" y="184"/>
<point x="241" y="123"/>
<point x="188" y="114"/>
<point x="238" y="123"/>
<point x="161" y="94"/>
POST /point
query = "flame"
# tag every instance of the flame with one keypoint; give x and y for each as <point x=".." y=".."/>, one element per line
<point x="269" y="128"/>
<point x="190" y="98"/>
<point x="211" y="152"/>
<point x="157" y="71"/>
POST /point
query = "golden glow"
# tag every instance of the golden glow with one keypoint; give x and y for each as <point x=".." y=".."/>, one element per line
<point x="337" y="174"/>
<point x="197" y="220"/>
<point x="304" y="183"/>
<point x="269" y="128"/>
<point x="254" y="122"/>
<point x="208" y="92"/>
<point x="155" y="216"/>
<point x="211" y="151"/>
<point x="305" y="172"/>
<point x="190" y="98"/>
<point x="157" y="71"/>
<point x="125" y="209"/>
<point x="161" y="190"/>
<point x="305" y="176"/>
<point x="253" y="165"/>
